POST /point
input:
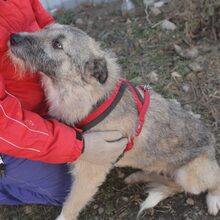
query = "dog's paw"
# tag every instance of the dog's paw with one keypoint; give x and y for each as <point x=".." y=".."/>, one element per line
<point x="213" y="203"/>
<point x="61" y="217"/>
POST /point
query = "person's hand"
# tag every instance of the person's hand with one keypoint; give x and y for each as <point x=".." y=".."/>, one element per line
<point x="103" y="147"/>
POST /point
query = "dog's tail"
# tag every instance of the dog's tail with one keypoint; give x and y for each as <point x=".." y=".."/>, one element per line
<point x="158" y="191"/>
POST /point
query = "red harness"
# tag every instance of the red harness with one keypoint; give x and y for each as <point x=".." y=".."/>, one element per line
<point x="104" y="108"/>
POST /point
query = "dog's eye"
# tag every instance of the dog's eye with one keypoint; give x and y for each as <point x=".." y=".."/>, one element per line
<point x="57" y="45"/>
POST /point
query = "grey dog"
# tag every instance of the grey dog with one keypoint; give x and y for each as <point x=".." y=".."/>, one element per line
<point x="175" y="151"/>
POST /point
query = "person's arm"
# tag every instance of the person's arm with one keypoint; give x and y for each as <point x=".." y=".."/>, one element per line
<point x="42" y="16"/>
<point x="27" y="135"/>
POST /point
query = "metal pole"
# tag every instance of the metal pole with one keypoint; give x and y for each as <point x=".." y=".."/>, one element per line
<point x="48" y="6"/>
<point x="62" y="3"/>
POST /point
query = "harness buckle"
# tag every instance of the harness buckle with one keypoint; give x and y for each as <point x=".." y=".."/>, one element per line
<point x="130" y="144"/>
<point x="139" y="127"/>
<point x="145" y="87"/>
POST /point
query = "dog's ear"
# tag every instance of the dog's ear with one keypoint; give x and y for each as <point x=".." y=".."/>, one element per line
<point x="97" y="68"/>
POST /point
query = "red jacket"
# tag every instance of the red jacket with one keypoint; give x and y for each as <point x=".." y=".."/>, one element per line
<point x="23" y="132"/>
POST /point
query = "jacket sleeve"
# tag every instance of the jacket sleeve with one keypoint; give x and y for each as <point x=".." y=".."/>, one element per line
<point x="25" y="134"/>
<point x="42" y="16"/>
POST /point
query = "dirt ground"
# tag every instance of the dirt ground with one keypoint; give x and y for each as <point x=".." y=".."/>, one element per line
<point x="146" y="54"/>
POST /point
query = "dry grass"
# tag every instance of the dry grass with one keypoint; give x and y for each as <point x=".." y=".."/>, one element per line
<point x="198" y="17"/>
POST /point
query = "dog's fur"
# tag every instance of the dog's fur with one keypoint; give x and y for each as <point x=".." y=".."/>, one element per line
<point x="175" y="151"/>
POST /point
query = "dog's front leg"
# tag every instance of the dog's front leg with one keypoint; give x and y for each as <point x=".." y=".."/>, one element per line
<point x="88" y="177"/>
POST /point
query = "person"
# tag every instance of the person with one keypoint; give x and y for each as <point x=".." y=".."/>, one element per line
<point x="34" y="149"/>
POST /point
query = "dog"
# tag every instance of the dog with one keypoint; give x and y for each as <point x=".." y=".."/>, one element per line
<point x="174" y="152"/>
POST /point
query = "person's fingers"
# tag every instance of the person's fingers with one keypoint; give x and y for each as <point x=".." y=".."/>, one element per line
<point x="110" y="136"/>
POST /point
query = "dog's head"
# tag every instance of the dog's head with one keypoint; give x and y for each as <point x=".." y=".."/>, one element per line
<point x="62" y="53"/>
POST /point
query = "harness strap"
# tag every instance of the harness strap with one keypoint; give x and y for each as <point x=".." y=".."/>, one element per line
<point x="104" y="109"/>
<point x="141" y="116"/>
<point x="135" y="93"/>
<point x="140" y="97"/>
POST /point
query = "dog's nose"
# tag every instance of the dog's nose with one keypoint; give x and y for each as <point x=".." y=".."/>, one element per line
<point x="16" y="39"/>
